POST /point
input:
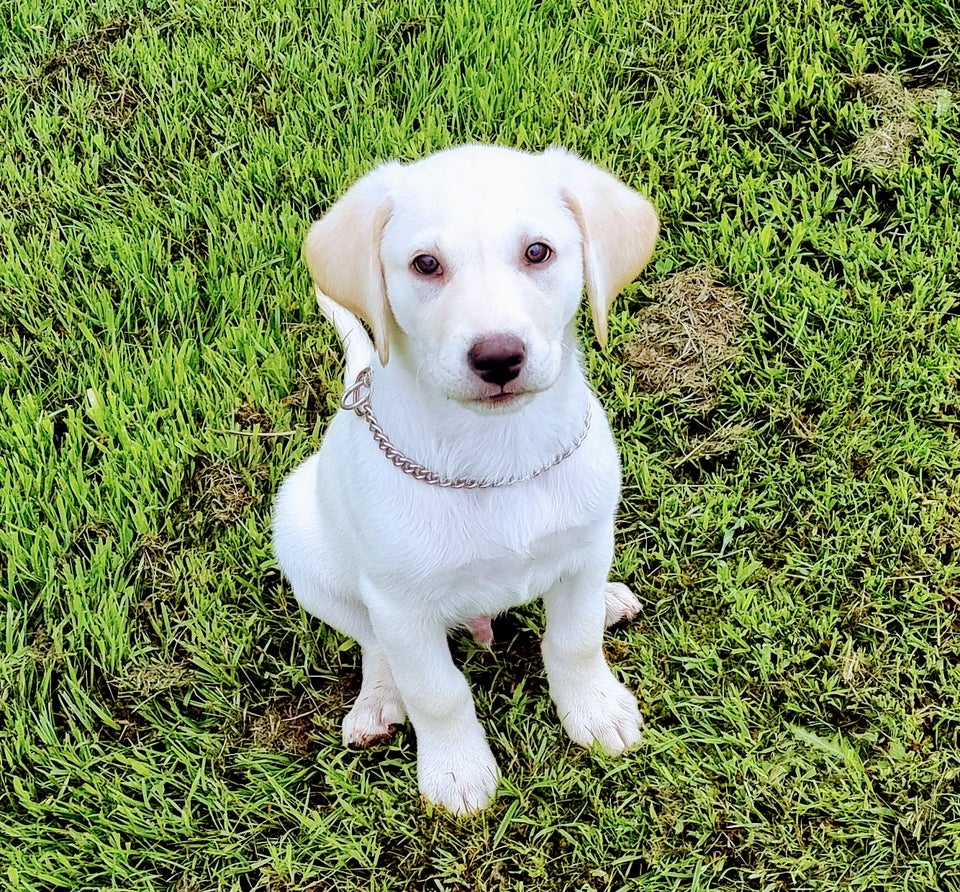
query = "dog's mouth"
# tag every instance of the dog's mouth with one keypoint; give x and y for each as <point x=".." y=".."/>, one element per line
<point x="497" y="402"/>
<point x="501" y="400"/>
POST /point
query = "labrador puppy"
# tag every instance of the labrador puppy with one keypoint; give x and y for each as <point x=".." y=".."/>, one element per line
<point x="470" y="468"/>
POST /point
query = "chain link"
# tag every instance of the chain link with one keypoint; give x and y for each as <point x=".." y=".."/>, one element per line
<point x="356" y="398"/>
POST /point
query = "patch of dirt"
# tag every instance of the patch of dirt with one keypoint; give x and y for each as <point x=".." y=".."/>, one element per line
<point x="154" y="678"/>
<point x="311" y="395"/>
<point x="91" y="537"/>
<point x="887" y="146"/>
<point x="687" y="335"/>
<point x="265" y="101"/>
<point x="249" y="418"/>
<point x="285" y="726"/>
<point x="118" y="98"/>
<point x="716" y="444"/>
<point x="43" y="649"/>
<point x="154" y="564"/>
<point x="81" y="57"/>
<point x="195" y="241"/>
<point x="223" y="493"/>
<point x="131" y="726"/>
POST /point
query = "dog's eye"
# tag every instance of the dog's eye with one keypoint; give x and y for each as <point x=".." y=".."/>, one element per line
<point x="538" y="252"/>
<point x="426" y="265"/>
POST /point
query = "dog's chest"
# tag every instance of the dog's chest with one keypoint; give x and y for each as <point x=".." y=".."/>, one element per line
<point x="484" y="551"/>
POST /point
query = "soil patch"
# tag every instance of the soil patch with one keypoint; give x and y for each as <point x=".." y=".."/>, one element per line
<point x="888" y="145"/>
<point x="154" y="678"/>
<point x="118" y="97"/>
<point x="223" y="493"/>
<point x="687" y="335"/>
<point x="285" y="726"/>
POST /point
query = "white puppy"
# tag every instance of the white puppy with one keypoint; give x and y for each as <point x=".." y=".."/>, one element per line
<point x="474" y="470"/>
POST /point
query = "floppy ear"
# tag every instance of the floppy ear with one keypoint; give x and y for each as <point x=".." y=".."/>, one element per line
<point x="342" y="252"/>
<point x="618" y="228"/>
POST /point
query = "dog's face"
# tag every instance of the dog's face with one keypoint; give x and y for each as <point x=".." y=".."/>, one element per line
<point x="469" y="264"/>
<point x="483" y="275"/>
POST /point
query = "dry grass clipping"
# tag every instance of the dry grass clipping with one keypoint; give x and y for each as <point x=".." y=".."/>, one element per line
<point x="716" y="444"/>
<point x="223" y="493"/>
<point x="155" y="678"/>
<point x="887" y="146"/>
<point x="155" y="565"/>
<point x="284" y="727"/>
<point x="688" y="335"/>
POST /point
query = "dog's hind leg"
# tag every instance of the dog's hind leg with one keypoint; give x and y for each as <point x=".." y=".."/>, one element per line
<point x="620" y="604"/>
<point x="378" y="709"/>
<point x="322" y="586"/>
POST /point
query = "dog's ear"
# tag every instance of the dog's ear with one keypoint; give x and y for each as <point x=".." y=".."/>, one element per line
<point x="618" y="228"/>
<point x="342" y="252"/>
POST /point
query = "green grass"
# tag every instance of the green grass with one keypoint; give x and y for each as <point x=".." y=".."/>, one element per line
<point x="168" y="717"/>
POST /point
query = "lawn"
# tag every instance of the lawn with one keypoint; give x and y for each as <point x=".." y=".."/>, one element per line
<point x="783" y="382"/>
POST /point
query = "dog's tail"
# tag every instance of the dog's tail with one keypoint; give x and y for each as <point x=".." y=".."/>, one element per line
<point x="357" y="346"/>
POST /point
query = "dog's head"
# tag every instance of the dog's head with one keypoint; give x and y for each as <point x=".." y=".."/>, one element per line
<point x="468" y="265"/>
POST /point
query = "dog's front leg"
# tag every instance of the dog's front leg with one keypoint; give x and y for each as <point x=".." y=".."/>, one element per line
<point x="455" y="767"/>
<point x="593" y="706"/>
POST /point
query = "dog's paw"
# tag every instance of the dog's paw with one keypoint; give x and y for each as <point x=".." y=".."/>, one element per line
<point x="373" y="718"/>
<point x="603" y="714"/>
<point x="462" y="778"/>
<point x="621" y="604"/>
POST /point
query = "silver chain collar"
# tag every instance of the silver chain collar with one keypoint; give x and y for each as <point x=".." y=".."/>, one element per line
<point x="356" y="398"/>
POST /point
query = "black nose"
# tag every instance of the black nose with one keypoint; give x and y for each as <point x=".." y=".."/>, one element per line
<point x="497" y="359"/>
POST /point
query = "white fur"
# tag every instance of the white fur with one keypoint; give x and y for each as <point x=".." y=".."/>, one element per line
<point x="395" y="562"/>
